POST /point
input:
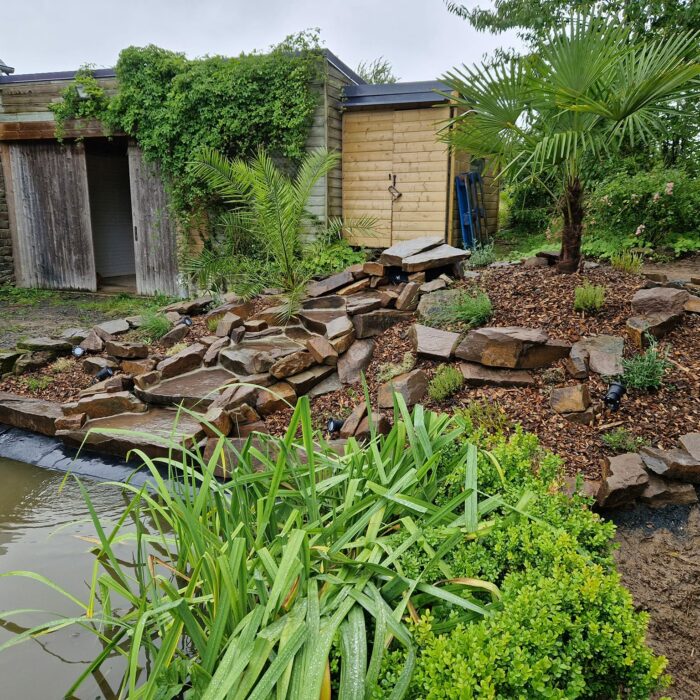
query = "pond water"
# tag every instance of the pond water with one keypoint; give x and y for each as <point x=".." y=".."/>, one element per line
<point x="40" y="525"/>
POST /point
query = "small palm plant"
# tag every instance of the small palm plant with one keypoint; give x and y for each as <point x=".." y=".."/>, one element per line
<point x="269" y="219"/>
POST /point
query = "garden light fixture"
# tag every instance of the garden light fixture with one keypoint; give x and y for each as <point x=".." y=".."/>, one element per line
<point x="334" y="425"/>
<point x="185" y="321"/>
<point x="77" y="351"/>
<point x="614" y="395"/>
<point x="104" y="373"/>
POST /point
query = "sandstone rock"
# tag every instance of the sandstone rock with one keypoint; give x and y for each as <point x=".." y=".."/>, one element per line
<point x="570" y="399"/>
<point x="102" y="405"/>
<point x="375" y="269"/>
<point x="322" y="351"/>
<point x="330" y="284"/>
<point x="364" y="303"/>
<point x="577" y="365"/>
<point x="388" y="298"/>
<point x="379" y="424"/>
<point x="92" y="365"/>
<point x="108" y="386"/>
<point x="137" y="367"/>
<point x="175" y="335"/>
<point x="659" y="277"/>
<point x="75" y="336"/>
<point x="70" y="422"/>
<point x="357" y="271"/>
<point x="237" y="334"/>
<point x="332" y="301"/>
<point x="436" y="257"/>
<point x="376" y="322"/>
<point x="254" y="325"/>
<point x="326" y="386"/>
<point x="692" y="306"/>
<point x="31" y="361"/>
<point x="511" y="347"/>
<point x="586" y="417"/>
<point x="276" y="398"/>
<point x="663" y="300"/>
<point x="292" y="364"/>
<point x="92" y="342"/>
<point x="624" y="479"/>
<point x="671" y="464"/>
<point x="303" y="382"/>
<point x="395" y="255"/>
<point x="657" y="325"/>
<point x="413" y="386"/>
<point x="660" y="492"/>
<point x="409" y="297"/>
<point x="535" y="262"/>
<point x="126" y="351"/>
<point x="245" y="361"/>
<point x="143" y="381"/>
<point x="330" y="322"/>
<point x="111" y="327"/>
<point x="228" y="322"/>
<point x="462" y="271"/>
<point x="236" y="305"/>
<point x="355" y="361"/>
<point x="352" y="422"/>
<point x="433" y="342"/>
<point x="172" y="316"/>
<point x="376" y="282"/>
<point x="433" y="286"/>
<point x="343" y="342"/>
<point x="44" y="343"/>
<point x="354" y="288"/>
<point x="235" y="396"/>
<point x="184" y="361"/>
<point x="476" y="375"/>
<point x="603" y="353"/>
<point x="436" y="302"/>
<point x="338" y="327"/>
<point x="29" y="414"/>
<point x="216" y="422"/>
<point x="418" y="277"/>
<point x="190" y="307"/>
<point x="691" y="444"/>
<point x="244" y="414"/>
<point x="211" y="356"/>
<point x="272" y="315"/>
<point x="7" y="360"/>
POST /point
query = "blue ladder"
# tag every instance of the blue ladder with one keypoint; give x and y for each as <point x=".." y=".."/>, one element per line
<point x="472" y="212"/>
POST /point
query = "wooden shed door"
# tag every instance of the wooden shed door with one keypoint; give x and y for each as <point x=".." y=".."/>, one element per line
<point x="395" y="148"/>
<point x="155" y="244"/>
<point x="52" y="216"/>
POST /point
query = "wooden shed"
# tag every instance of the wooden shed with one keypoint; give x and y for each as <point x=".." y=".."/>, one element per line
<point x="397" y="170"/>
<point x="90" y="213"/>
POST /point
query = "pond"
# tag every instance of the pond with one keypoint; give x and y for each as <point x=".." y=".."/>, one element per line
<point x="40" y="527"/>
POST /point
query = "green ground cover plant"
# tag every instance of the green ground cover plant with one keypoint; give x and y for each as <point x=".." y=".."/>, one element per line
<point x="627" y="261"/>
<point x="435" y="562"/>
<point x="622" y="440"/>
<point x="389" y="370"/>
<point x="646" y="370"/>
<point x="154" y="325"/>
<point x="448" y="380"/>
<point x="589" y="297"/>
<point x="482" y="255"/>
<point x="472" y="308"/>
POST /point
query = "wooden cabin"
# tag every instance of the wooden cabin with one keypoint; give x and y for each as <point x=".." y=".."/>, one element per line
<point x="397" y="170"/>
<point x="90" y="213"/>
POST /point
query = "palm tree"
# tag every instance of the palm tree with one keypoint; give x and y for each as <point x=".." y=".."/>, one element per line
<point x="586" y="92"/>
<point x="268" y="220"/>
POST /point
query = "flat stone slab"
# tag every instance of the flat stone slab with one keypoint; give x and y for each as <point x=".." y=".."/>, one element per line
<point x="330" y="284"/>
<point x="376" y="322"/>
<point x="624" y="479"/>
<point x="104" y="405"/>
<point x="113" y="327"/>
<point x="412" y="386"/>
<point x="30" y="414"/>
<point x="197" y="389"/>
<point x="152" y="432"/>
<point x="665" y="300"/>
<point x="603" y="354"/>
<point x="691" y="444"/>
<point x="433" y="342"/>
<point x="476" y="375"/>
<point x="44" y="343"/>
<point x="662" y="492"/>
<point x="355" y="361"/>
<point x="436" y="257"/>
<point x="190" y="307"/>
<point x="326" y="386"/>
<point x="671" y="464"/>
<point x="405" y="249"/>
<point x="656" y="325"/>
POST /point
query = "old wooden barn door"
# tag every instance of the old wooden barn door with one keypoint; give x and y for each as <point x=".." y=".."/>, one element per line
<point x="395" y="170"/>
<point x="155" y="243"/>
<point x="49" y="190"/>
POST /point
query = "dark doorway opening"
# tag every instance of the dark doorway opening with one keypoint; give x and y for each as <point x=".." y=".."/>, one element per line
<point x="110" y="213"/>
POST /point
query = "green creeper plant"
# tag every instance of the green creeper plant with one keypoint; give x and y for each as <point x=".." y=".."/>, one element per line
<point x="447" y="381"/>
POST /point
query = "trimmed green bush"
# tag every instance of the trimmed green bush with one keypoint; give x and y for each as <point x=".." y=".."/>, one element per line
<point x="646" y="370"/>
<point x="589" y="297"/>
<point x="447" y="381"/>
<point x="472" y="308"/>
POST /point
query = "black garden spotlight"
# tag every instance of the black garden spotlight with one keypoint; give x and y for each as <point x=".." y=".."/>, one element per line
<point x="614" y="395"/>
<point x="104" y="373"/>
<point x="334" y="425"/>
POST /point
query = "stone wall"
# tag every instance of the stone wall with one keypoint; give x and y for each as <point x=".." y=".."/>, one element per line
<point x="7" y="272"/>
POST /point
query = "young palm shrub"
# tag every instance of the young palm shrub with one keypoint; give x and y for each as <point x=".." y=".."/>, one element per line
<point x="263" y="240"/>
<point x="241" y="586"/>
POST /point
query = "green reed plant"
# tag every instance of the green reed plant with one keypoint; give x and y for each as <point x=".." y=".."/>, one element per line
<point x="627" y="261"/>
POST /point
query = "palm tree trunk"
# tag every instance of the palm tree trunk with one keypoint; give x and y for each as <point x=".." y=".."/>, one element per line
<point x="572" y="209"/>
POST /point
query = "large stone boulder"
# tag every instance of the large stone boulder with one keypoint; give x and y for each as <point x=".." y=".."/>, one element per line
<point x="671" y="464"/>
<point x="665" y="300"/>
<point x="570" y="399"/>
<point x="246" y="360"/>
<point x="395" y="255"/>
<point x="43" y="343"/>
<point x="29" y="414"/>
<point x="476" y="375"/>
<point x="662" y="492"/>
<point x="377" y="322"/>
<point x="276" y="398"/>
<point x="322" y="351"/>
<point x="441" y="256"/>
<point x="511" y="347"/>
<point x="329" y="322"/>
<point x="657" y="325"/>
<point x="103" y="405"/>
<point x="126" y="351"/>
<point x="413" y="386"/>
<point x="433" y="342"/>
<point x="184" y="361"/>
<point x="355" y="361"/>
<point x="624" y="480"/>
<point x="603" y="353"/>
<point x="292" y="364"/>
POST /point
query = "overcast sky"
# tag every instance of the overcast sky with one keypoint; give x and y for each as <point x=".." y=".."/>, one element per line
<point x="419" y="37"/>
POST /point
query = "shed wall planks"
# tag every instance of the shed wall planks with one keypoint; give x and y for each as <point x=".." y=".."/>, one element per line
<point x="155" y="240"/>
<point x="51" y="212"/>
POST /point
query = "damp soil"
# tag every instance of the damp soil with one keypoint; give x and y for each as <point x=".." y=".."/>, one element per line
<point x="659" y="561"/>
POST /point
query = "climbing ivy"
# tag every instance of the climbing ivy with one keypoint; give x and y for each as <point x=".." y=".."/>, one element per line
<point x="173" y="106"/>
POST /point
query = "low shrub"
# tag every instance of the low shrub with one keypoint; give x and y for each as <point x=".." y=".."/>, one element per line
<point x="627" y="261"/>
<point x="482" y="255"/>
<point x="323" y="259"/>
<point x="154" y="325"/>
<point x="589" y="297"/>
<point x="646" y="370"/>
<point x="389" y="370"/>
<point x="621" y="440"/>
<point x="213" y="323"/>
<point x="484" y="417"/>
<point x="38" y="383"/>
<point x="470" y="309"/>
<point x="448" y="380"/>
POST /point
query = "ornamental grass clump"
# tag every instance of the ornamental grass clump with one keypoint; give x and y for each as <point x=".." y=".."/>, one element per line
<point x="448" y="380"/>
<point x="472" y="308"/>
<point x="299" y="569"/>
<point x="627" y="261"/>
<point x="646" y="370"/>
<point x="482" y="255"/>
<point x="589" y="297"/>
